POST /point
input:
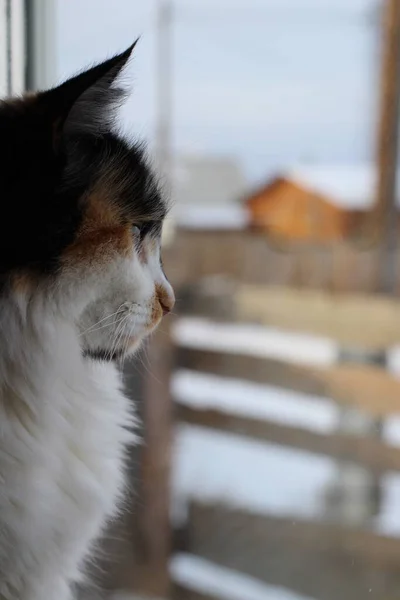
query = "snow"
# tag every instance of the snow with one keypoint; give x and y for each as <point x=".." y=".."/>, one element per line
<point x="230" y="216"/>
<point x="246" y="399"/>
<point x="203" y="576"/>
<point x="391" y="426"/>
<point x="263" y="478"/>
<point x="264" y="342"/>
<point x="393" y="360"/>
<point x="348" y="186"/>
<point x="283" y="406"/>
<point x="215" y="466"/>
<point x="388" y="520"/>
<point x="391" y="430"/>
<point x="128" y="596"/>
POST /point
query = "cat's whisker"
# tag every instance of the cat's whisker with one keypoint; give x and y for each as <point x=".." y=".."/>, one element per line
<point x="124" y="345"/>
<point x="115" y="322"/>
<point x="146" y="366"/>
<point x="121" y="308"/>
<point x="111" y="350"/>
<point x="118" y="335"/>
<point x="125" y="352"/>
<point x="121" y="338"/>
<point x="115" y="333"/>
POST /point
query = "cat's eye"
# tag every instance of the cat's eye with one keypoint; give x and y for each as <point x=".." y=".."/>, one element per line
<point x="141" y="231"/>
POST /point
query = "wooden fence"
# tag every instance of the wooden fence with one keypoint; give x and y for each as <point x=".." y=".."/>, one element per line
<point x="251" y="257"/>
<point x="338" y="556"/>
<point x="320" y="559"/>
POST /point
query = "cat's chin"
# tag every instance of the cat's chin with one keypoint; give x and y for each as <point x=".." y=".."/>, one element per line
<point x="102" y="355"/>
<point x="116" y="355"/>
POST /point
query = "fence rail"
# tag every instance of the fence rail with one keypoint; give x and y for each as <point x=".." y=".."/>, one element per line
<point x="363" y="386"/>
<point x="367" y="452"/>
<point x="251" y="258"/>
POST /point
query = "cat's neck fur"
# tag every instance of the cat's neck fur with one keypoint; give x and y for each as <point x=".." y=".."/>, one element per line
<point x="63" y="431"/>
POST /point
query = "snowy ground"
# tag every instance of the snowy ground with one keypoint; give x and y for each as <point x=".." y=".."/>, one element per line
<point x="259" y="477"/>
<point x="257" y="341"/>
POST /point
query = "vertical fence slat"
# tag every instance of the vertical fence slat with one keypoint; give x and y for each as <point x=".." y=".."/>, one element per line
<point x="152" y="524"/>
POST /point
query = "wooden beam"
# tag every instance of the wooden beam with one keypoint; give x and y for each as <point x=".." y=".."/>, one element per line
<point x="384" y="217"/>
<point x="320" y="560"/>
<point x="364" y="387"/>
<point x="370" y="453"/>
<point x="152" y="536"/>
<point x="180" y="592"/>
<point x="338" y="267"/>
<point x="358" y="320"/>
<point x="255" y="369"/>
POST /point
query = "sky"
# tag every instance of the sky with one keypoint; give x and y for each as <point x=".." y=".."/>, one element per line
<point x="272" y="83"/>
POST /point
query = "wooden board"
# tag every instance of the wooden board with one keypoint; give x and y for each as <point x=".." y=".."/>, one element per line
<point x="322" y="561"/>
<point x="180" y="592"/>
<point x="250" y="258"/>
<point x="368" y="452"/>
<point x="357" y="320"/>
<point x="152" y="535"/>
<point x="258" y="370"/>
<point x="365" y="387"/>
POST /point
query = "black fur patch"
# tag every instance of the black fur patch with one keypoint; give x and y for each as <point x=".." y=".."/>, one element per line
<point x="55" y="148"/>
<point x="102" y="355"/>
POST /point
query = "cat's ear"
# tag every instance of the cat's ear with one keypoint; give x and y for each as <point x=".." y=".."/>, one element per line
<point x="86" y="103"/>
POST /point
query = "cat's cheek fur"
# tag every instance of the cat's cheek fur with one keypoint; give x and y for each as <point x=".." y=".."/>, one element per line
<point x="121" y="316"/>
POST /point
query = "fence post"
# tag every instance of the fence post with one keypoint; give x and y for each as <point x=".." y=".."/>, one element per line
<point x="152" y="535"/>
<point x="355" y="496"/>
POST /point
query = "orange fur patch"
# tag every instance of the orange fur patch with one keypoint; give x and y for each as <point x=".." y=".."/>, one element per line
<point x="101" y="213"/>
<point x="161" y="297"/>
<point x="103" y="234"/>
<point x="156" y="313"/>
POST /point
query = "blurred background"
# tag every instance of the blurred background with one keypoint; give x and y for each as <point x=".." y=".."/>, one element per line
<point x="270" y="401"/>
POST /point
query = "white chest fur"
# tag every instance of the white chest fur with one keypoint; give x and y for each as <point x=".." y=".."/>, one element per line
<point x="63" y="432"/>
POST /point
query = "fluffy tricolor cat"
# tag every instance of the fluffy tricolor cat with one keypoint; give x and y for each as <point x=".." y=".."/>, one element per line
<point x="81" y="284"/>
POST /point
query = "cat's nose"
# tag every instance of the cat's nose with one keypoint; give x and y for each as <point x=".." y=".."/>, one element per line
<point x="166" y="298"/>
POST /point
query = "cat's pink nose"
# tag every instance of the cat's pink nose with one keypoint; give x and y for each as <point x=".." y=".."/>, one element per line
<point x="167" y="304"/>
<point x="166" y="299"/>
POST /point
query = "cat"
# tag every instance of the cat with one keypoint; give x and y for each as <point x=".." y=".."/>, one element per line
<point x="81" y="285"/>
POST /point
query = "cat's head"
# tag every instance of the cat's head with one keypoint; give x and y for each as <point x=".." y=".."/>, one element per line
<point x="81" y="212"/>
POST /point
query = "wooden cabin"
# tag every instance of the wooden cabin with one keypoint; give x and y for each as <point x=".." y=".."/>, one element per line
<point x="316" y="203"/>
<point x="286" y="208"/>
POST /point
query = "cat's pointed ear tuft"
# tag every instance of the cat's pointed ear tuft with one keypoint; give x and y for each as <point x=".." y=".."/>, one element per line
<point x="87" y="103"/>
